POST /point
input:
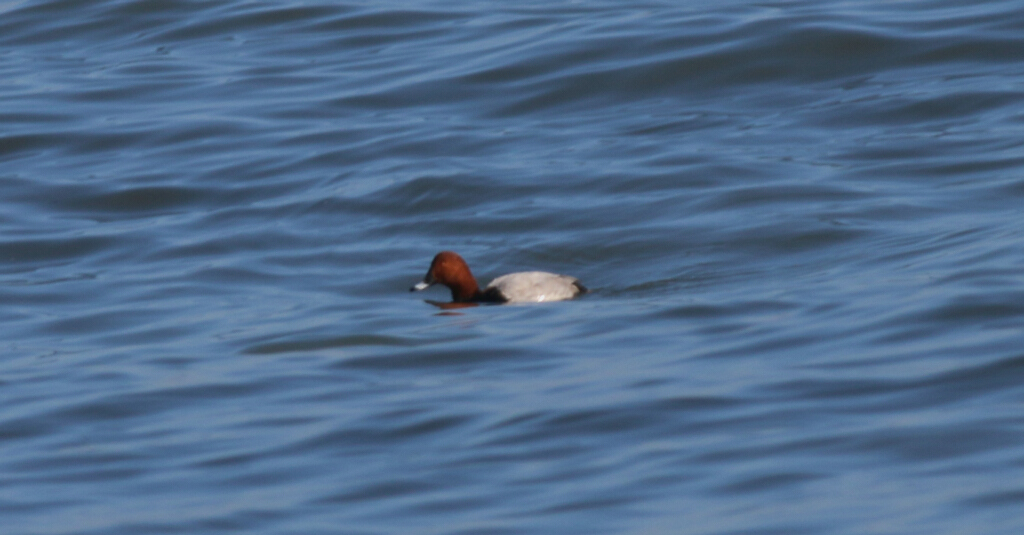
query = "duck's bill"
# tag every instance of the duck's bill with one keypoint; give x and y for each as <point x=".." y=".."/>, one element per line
<point x="427" y="282"/>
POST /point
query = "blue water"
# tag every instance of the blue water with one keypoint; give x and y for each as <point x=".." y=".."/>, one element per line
<point x="801" y="222"/>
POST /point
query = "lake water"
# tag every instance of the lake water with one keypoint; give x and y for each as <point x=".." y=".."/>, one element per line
<point x="801" y="222"/>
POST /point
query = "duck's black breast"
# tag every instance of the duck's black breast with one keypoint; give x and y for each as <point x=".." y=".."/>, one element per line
<point x="491" y="295"/>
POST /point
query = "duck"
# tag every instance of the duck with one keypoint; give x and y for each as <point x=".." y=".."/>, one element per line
<point x="449" y="269"/>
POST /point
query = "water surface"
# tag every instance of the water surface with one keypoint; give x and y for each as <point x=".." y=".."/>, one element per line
<point x="800" y="222"/>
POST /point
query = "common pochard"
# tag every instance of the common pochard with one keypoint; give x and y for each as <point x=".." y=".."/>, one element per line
<point x="451" y="270"/>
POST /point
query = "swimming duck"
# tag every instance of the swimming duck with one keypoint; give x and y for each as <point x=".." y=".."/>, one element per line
<point x="450" y="269"/>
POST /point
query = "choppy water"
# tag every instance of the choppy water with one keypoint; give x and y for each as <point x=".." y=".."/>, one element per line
<point x="801" y="221"/>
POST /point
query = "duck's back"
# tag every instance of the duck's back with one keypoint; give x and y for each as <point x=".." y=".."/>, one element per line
<point x="536" y="286"/>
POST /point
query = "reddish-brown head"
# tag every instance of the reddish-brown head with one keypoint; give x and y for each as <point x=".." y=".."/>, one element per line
<point x="450" y="269"/>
